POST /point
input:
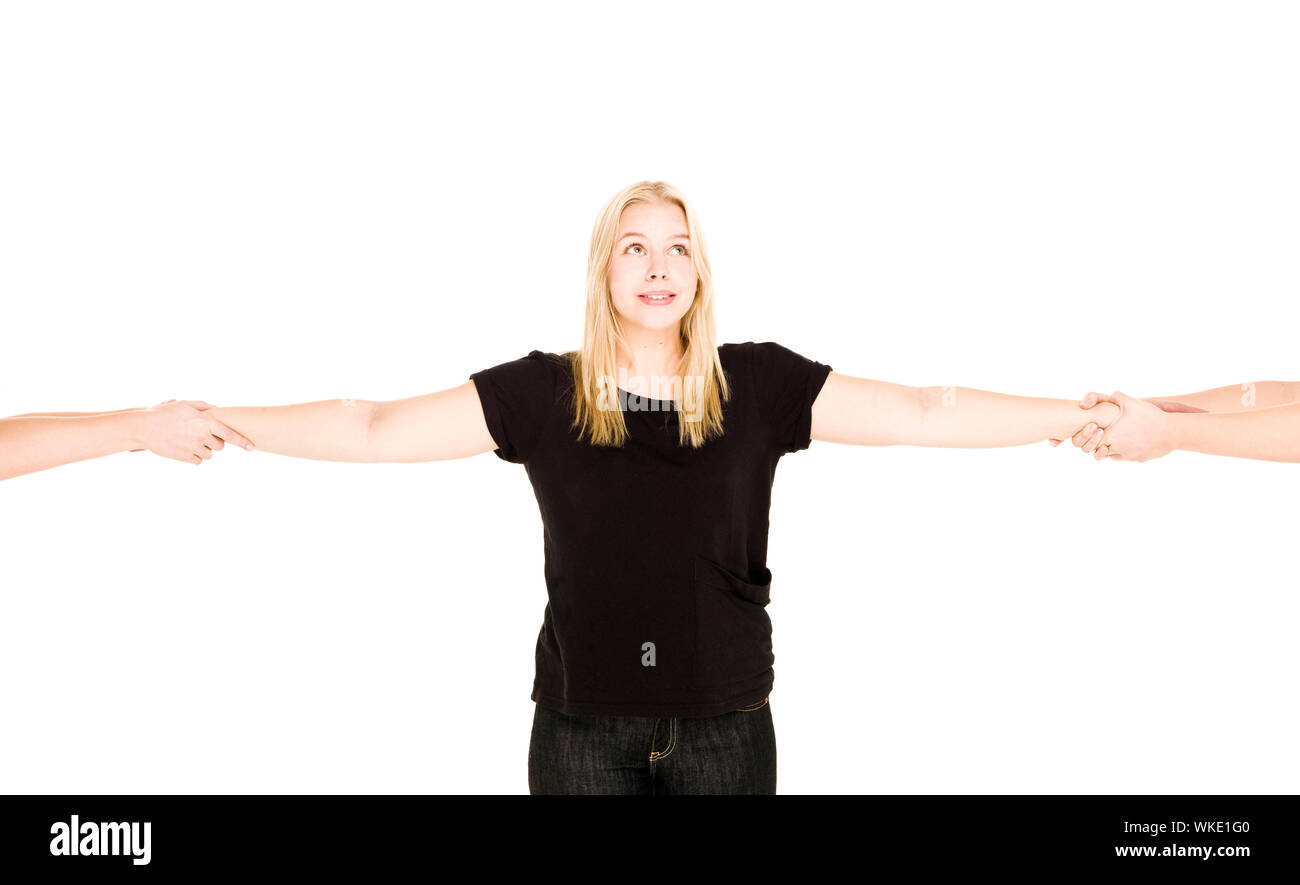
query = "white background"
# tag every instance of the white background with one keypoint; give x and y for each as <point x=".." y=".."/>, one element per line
<point x="266" y="203"/>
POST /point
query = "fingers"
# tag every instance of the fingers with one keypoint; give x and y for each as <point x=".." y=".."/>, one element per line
<point x="1093" y="398"/>
<point x="1090" y="438"/>
<point x="1054" y="442"/>
<point x="221" y="431"/>
<point x="194" y="457"/>
<point x="201" y="449"/>
<point x="191" y="438"/>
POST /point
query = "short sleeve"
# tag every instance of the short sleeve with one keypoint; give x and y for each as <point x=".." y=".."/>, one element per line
<point x="518" y="398"/>
<point x="786" y="385"/>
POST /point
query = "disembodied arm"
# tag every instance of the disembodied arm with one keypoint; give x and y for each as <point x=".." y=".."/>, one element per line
<point x="1233" y="398"/>
<point x="1142" y="432"/>
<point x="1238" y="397"/>
<point x="182" y="431"/>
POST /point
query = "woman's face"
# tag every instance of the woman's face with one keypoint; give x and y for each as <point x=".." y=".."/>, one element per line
<point x="652" y="254"/>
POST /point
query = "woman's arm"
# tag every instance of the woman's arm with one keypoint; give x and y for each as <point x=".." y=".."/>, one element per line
<point x="74" y="414"/>
<point x="1142" y="432"/>
<point x="174" y="430"/>
<point x="431" y="427"/>
<point x="860" y="411"/>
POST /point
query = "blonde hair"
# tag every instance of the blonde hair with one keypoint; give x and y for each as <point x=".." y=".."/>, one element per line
<point x="594" y="415"/>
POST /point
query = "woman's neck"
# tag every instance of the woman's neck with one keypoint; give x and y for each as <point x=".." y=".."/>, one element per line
<point x="648" y="366"/>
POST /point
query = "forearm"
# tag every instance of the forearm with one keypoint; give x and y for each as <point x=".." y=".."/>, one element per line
<point x="327" y="430"/>
<point x="71" y="414"/>
<point x="37" y="443"/>
<point x="1239" y="397"/>
<point x="963" y="417"/>
<point x="1270" y="434"/>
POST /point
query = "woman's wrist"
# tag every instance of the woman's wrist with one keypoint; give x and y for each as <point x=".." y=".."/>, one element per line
<point x="135" y="424"/>
<point x="1074" y="418"/>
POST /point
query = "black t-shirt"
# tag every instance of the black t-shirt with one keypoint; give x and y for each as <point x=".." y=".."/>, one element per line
<point x="655" y="552"/>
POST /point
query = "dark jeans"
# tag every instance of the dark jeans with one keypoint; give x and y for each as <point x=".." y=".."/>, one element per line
<point x="643" y="755"/>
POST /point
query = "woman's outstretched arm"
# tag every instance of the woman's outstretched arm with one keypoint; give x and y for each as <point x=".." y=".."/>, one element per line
<point x="182" y="431"/>
<point x="74" y="414"/>
<point x="860" y="411"/>
<point x="432" y="427"/>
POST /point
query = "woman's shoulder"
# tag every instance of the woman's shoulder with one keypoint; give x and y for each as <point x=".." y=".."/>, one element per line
<point x="549" y="356"/>
<point x="752" y="357"/>
<point x="765" y="351"/>
<point x="772" y="366"/>
<point x="534" y="373"/>
<point x="736" y="349"/>
<point x="546" y="363"/>
<point x="758" y="352"/>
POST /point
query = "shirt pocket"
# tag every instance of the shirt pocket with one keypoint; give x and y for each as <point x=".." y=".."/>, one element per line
<point x="733" y="633"/>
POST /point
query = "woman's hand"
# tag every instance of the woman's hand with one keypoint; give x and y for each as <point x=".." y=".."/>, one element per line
<point x="180" y="431"/>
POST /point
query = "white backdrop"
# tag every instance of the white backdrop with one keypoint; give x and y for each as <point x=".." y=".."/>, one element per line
<point x="267" y="203"/>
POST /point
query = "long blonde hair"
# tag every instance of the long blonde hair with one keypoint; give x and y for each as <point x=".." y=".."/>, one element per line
<point x="602" y="331"/>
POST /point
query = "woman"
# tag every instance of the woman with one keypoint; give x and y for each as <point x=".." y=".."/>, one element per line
<point x="652" y="454"/>
<point x="183" y="431"/>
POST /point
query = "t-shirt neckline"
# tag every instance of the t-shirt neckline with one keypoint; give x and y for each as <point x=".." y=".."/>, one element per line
<point x="629" y="394"/>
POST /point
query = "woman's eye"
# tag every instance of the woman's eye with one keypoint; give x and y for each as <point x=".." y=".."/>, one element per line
<point x="638" y="246"/>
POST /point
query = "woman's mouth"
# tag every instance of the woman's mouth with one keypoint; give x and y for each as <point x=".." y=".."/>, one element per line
<point x="656" y="298"/>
